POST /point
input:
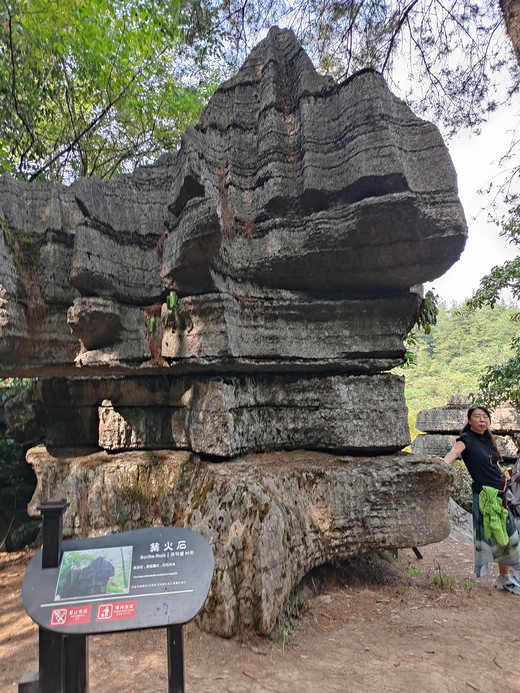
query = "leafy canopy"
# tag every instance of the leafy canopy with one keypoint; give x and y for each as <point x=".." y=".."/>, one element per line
<point x="504" y="277"/>
<point x="97" y="86"/>
<point x="459" y="347"/>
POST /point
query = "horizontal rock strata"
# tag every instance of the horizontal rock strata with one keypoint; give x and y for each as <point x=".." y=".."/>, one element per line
<point x="441" y="443"/>
<point x="235" y="333"/>
<point x="226" y="416"/>
<point x="289" y="183"/>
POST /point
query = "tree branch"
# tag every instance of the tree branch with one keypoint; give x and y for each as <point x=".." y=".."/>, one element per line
<point x="92" y="125"/>
<point x="13" y="86"/>
<point x="393" y="38"/>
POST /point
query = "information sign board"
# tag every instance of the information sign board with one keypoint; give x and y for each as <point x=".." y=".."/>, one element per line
<point x="146" y="578"/>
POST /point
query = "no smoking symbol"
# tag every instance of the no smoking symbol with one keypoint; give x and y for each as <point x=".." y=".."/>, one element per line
<point x="58" y="617"/>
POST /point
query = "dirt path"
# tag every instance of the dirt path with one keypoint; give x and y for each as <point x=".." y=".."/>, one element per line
<point x="357" y="635"/>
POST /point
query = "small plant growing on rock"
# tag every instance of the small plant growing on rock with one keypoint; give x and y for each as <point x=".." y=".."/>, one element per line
<point x="171" y="304"/>
<point x="468" y="586"/>
<point x="151" y="314"/>
<point x="151" y="325"/>
<point x="25" y="251"/>
<point x="414" y="571"/>
<point x="298" y="604"/>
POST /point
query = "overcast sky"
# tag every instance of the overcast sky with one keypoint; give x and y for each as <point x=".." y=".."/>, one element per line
<point x="476" y="160"/>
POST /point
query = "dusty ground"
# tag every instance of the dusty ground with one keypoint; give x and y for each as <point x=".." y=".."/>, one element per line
<point x="393" y="630"/>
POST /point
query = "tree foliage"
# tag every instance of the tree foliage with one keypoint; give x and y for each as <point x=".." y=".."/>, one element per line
<point x="458" y="349"/>
<point x="428" y="312"/>
<point x="504" y="277"/>
<point x="500" y="382"/>
<point x="97" y="86"/>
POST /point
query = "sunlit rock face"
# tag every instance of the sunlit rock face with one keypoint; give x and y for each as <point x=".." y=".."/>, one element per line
<point x="292" y="191"/>
<point x="295" y="223"/>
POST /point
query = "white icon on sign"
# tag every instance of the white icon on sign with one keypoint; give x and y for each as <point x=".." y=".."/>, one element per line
<point x="181" y="545"/>
<point x="59" y="616"/>
<point x="104" y="612"/>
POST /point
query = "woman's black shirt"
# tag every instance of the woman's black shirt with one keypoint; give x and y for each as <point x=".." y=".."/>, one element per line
<point x="481" y="460"/>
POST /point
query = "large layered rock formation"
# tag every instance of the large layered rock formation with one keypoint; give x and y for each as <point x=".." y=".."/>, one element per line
<point x="291" y="192"/>
<point x="294" y="223"/>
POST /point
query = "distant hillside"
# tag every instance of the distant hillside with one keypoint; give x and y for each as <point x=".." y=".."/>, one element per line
<point x="451" y="358"/>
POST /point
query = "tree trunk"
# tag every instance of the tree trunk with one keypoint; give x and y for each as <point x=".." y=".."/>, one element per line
<point x="511" y="11"/>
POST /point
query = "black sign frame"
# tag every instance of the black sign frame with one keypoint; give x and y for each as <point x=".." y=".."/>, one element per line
<point x="163" y="578"/>
<point x="184" y="557"/>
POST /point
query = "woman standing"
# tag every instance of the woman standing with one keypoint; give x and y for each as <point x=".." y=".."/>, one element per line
<point x="478" y="449"/>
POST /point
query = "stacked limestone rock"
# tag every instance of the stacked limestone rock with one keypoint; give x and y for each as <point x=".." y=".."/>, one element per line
<point x="293" y="223"/>
<point x="442" y="425"/>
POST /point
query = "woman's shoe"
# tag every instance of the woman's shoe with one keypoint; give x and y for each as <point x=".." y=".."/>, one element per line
<point x="507" y="583"/>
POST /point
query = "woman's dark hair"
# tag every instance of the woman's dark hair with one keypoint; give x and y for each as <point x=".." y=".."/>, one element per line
<point x="487" y="432"/>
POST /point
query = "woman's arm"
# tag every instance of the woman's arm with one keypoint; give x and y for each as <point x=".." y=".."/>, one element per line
<point x="455" y="452"/>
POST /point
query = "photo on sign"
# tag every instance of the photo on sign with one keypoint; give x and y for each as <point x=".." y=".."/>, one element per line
<point x="94" y="572"/>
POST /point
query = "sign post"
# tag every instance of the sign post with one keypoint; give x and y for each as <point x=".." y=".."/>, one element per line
<point x="146" y="578"/>
<point x="175" y="649"/>
<point x="63" y="660"/>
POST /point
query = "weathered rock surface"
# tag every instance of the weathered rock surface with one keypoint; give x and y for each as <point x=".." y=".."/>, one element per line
<point x="295" y="222"/>
<point x="226" y="416"/>
<point x="289" y="169"/>
<point x="292" y="331"/>
<point x="289" y="183"/>
<point x="439" y="444"/>
<point x="287" y="332"/>
<point x="442" y="425"/>
<point x="270" y="518"/>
